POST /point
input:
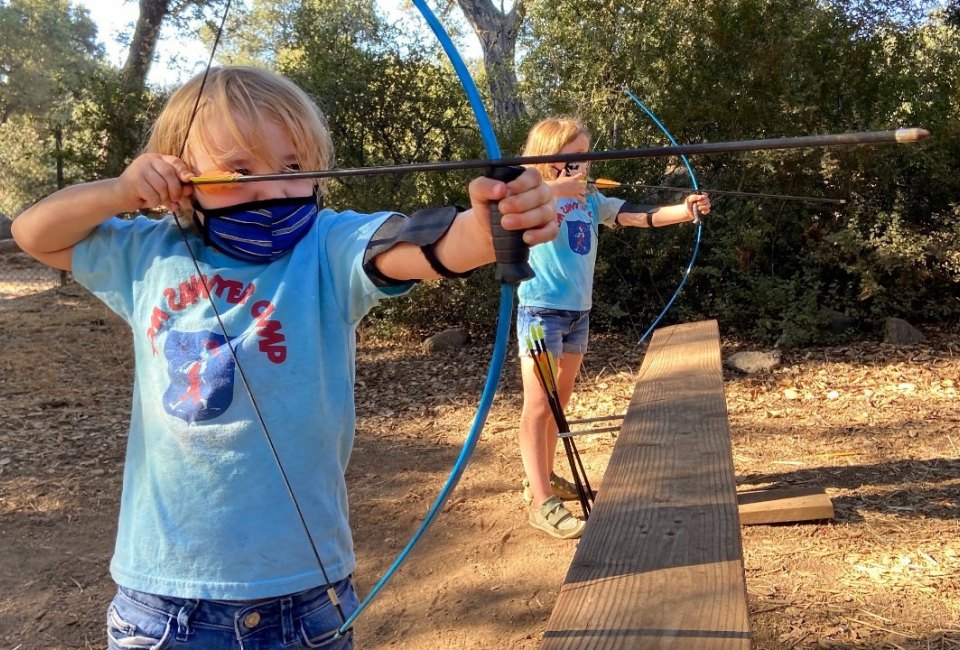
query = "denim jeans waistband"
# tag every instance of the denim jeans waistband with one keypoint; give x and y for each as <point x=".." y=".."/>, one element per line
<point x="224" y="614"/>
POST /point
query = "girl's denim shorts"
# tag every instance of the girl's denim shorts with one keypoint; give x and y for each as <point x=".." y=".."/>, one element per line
<point x="565" y="331"/>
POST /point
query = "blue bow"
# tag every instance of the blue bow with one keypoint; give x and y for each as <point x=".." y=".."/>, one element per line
<point x="503" y="319"/>
<point x="696" y="244"/>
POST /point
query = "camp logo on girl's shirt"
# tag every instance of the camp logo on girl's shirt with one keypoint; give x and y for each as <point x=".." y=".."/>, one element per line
<point x="200" y="366"/>
<point x="578" y="235"/>
<point x="579" y="232"/>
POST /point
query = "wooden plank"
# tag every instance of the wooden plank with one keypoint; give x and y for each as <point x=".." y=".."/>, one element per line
<point x="660" y="564"/>
<point x="783" y="505"/>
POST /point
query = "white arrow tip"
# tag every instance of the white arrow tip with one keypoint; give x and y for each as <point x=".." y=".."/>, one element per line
<point x="911" y="135"/>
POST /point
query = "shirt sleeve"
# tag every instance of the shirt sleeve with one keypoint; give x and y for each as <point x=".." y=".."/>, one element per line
<point x="346" y="245"/>
<point x="111" y="259"/>
<point x="607" y="208"/>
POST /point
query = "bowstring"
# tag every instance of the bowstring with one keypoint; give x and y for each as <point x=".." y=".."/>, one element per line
<point x="331" y="593"/>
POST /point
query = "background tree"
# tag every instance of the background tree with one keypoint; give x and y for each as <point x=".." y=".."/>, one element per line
<point x="711" y="69"/>
<point x="131" y="104"/>
<point x="716" y="70"/>
<point x="48" y="50"/>
<point x="48" y="56"/>
<point x="498" y="29"/>
<point x="953" y="13"/>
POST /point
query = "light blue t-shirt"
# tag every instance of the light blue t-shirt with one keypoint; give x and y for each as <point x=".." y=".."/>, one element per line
<point x="204" y="511"/>
<point x="564" y="266"/>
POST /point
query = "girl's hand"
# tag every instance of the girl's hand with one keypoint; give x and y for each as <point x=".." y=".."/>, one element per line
<point x="526" y="203"/>
<point x="573" y="186"/>
<point x="153" y="180"/>
<point x="700" y="201"/>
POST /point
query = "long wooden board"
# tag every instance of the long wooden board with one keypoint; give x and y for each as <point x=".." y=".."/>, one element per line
<point x="660" y="564"/>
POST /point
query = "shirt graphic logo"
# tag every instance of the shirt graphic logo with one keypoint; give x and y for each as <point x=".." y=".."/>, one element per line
<point x="578" y="235"/>
<point x="201" y="372"/>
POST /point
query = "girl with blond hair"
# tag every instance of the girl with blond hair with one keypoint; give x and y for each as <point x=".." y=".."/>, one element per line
<point x="559" y="299"/>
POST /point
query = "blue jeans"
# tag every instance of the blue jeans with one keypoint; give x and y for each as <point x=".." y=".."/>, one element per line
<point x="304" y="620"/>
<point x="565" y="331"/>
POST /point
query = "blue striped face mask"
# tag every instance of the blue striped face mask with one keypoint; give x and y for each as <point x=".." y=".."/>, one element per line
<point x="259" y="231"/>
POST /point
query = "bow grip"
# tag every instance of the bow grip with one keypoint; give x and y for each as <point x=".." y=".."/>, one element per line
<point x="511" y="251"/>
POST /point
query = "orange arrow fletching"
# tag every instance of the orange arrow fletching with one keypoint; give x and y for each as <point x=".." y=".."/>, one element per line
<point x="605" y="183"/>
<point x="215" y="181"/>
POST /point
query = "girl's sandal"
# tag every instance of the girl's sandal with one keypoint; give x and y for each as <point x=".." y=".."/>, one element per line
<point x="562" y="488"/>
<point x="554" y="519"/>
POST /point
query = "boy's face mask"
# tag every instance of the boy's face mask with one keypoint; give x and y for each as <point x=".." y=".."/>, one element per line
<point x="259" y="231"/>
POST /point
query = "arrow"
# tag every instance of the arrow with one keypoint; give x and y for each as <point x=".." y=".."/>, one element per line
<point x="546" y="367"/>
<point x="898" y="136"/>
<point x="606" y="183"/>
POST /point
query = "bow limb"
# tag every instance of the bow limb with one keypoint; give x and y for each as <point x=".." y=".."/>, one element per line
<point x="503" y="321"/>
<point x="699" y="223"/>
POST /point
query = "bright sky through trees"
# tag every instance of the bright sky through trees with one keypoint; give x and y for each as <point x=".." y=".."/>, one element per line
<point x="179" y="57"/>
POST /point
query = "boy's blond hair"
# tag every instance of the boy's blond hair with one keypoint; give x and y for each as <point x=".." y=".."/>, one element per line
<point x="549" y="136"/>
<point x="241" y="99"/>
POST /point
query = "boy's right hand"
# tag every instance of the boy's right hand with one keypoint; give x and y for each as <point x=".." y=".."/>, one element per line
<point x="50" y="228"/>
<point x="153" y="180"/>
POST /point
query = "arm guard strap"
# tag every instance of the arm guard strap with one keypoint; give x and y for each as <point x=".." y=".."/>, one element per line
<point x="423" y="228"/>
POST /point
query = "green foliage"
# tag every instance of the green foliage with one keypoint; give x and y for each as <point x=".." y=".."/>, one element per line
<point x="26" y="173"/>
<point x="50" y="62"/>
<point x="952" y="12"/>
<point x="470" y="303"/>
<point x="48" y="50"/>
<point x="767" y="68"/>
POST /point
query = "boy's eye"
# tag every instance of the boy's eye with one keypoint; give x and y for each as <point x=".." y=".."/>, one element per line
<point x="243" y="171"/>
<point x="293" y="167"/>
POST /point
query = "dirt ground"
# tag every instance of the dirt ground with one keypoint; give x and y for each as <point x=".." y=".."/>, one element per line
<point x="878" y="427"/>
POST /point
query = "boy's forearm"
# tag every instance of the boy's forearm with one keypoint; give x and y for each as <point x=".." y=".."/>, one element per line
<point x="63" y="218"/>
<point x="466" y="245"/>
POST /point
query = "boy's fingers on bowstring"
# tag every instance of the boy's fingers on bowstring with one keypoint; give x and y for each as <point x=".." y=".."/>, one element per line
<point x="154" y="180"/>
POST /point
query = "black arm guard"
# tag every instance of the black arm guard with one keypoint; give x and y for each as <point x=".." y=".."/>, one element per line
<point x="423" y="228"/>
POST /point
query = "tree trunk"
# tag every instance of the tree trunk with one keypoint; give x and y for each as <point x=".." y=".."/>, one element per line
<point x="133" y="77"/>
<point x="498" y="38"/>
<point x="123" y="137"/>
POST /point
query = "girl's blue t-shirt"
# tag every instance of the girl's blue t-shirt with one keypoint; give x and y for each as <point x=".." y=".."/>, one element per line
<point x="564" y="267"/>
<point x="204" y="511"/>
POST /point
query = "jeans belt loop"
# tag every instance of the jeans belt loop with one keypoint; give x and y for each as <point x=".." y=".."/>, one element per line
<point x="286" y="619"/>
<point x="183" y="619"/>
